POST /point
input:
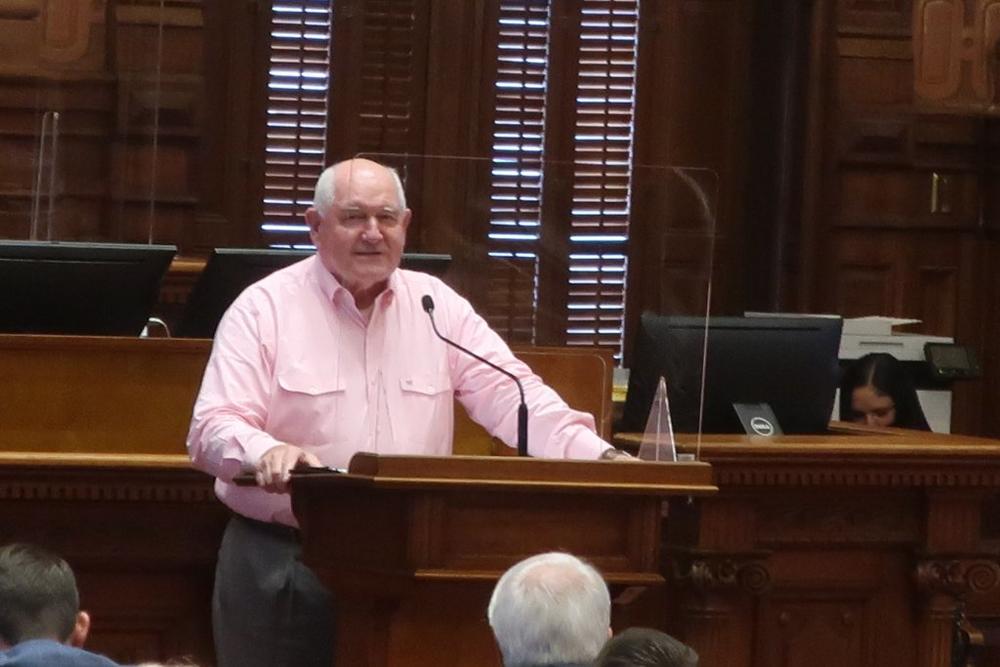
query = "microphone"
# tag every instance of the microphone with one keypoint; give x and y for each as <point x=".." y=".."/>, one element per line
<point x="522" y="410"/>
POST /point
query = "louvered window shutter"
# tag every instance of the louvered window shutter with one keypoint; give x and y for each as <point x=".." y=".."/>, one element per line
<point x="602" y="172"/>
<point x="516" y="192"/>
<point x="389" y="89"/>
<point x="298" y="86"/>
<point x="379" y="85"/>
<point x="601" y="128"/>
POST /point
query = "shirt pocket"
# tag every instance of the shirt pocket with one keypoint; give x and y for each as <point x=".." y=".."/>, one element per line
<point x="422" y="419"/>
<point x="309" y="381"/>
<point x="426" y="384"/>
<point x="306" y="401"/>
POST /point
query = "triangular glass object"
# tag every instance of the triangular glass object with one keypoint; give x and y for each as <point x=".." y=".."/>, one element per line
<point x="658" y="440"/>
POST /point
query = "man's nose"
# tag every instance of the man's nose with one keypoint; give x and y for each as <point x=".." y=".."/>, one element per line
<point x="870" y="419"/>
<point x="371" y="232"/>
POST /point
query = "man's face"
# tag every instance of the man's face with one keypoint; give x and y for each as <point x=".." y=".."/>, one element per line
<point x="360" y="239"/>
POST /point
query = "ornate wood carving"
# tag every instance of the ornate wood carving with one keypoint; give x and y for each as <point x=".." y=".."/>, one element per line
<point x="958" y="577"/>
<point x="721" y="572"/>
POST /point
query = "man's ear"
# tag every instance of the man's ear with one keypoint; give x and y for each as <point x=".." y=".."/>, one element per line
<point x="81" y="629"/>
<point x="313" y="219"/>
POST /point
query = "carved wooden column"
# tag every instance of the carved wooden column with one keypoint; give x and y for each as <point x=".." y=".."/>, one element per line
<point x="715" y="581"/>
<point x="718" y="590"/>
<point x="950" y="570"/>
<point x="945" y="583"/>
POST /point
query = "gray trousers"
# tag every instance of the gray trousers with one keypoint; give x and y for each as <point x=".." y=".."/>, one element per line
<point x="268" y="609"/>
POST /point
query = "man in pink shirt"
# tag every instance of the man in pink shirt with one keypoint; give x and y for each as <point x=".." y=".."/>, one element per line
<point x="332" y="356"/>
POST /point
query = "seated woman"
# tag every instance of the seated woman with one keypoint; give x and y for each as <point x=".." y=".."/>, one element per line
<point x="877" y="390"/>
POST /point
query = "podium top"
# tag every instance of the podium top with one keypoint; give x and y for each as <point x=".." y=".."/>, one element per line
<point x="646" y="478"/>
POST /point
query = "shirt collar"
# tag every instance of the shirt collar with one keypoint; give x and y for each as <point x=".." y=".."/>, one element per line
<point x="331" y="287"/>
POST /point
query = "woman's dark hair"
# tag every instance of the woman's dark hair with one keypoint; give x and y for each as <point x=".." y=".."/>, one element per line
<point x="644" y="647"/>
<point x="889" y="377"/>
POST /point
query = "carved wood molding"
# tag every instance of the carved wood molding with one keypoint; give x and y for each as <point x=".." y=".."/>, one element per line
<point x="718" y="572"/>
<point x="959" y="576"/>
<point x="830" y="475"/>
<point x="106" y="486"/>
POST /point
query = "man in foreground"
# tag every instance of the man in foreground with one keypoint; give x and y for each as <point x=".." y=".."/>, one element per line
<point x="550" y="609"/>
<point x="328" y="357"/>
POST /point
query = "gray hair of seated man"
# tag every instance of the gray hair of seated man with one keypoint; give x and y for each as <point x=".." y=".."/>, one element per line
<point x="550" y="609"/>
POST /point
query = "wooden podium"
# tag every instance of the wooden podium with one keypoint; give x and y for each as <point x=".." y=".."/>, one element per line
<point x="412" y="546"/>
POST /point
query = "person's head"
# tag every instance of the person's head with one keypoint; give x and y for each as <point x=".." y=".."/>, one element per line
<point x="550" y="609"/>
<point x="38" y="598"/>
<point x="877" y="390"/>
<point x="644" y="647"/>
<point x="358" y="224"/>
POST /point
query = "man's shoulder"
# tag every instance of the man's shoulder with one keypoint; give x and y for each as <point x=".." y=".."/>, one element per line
<point x="278" y="284"/>
<point x="43" y="652"/>
<point x="420" y="283"/>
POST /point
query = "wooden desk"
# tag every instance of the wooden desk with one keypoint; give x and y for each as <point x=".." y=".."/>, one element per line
<point x="412" y="546"/>
<point x="93" y="466"/>
<point x="851" y="549"/>
<point x="141" y="532"/>
<point x="101" y="394"/>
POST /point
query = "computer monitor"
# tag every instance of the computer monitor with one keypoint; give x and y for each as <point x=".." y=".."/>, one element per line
<point x="790" y="363"/>
<point x="229" y="271"/>
<point x="83" y="289"/>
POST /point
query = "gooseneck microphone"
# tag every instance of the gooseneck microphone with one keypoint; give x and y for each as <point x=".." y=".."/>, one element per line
<point x="522" y="410"/>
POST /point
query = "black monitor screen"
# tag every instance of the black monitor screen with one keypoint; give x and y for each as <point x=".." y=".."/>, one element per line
<point x="229" y="271"/>
<point x="83" y="289"/>
<point x="789" y="363"/>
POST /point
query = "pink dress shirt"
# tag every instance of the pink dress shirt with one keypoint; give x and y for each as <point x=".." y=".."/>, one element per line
<point x="294" y="361"/>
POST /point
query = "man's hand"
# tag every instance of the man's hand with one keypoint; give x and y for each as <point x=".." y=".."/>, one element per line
<point x="612" y="454"/>
<point x="275" y="467"/>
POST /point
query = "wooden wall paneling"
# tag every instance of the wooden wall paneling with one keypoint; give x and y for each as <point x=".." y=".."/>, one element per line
<point x="682" y="121"/>
<point x="985" y="77"/>
<point x="903" y="183"/>
<point x="804" y="276"/>
<point x="881" y="17"/>
<point x="142" y="541"/>
<point x="158" y="64"/>
<point x="938" y="47"/>
<point x="776" y="114"/>
<point x="906" y="198"/>
<point x="861" y="280"/>
<point x="873" y="72"/>
<point x="230" y="117"/>
<point x="874" y="272"/>
<point x="450" y="199"/>
<point x="129" y="82"/>
<point x="954" y="52"/>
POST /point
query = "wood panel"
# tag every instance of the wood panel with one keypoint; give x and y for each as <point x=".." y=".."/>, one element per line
<point x="683" y="224"/>
<point x="835" y="550"/>
<point x="900" y="189"/>
<point x="141" y="533"/>
<point x="131" y="395"/>
<point x="151" y="138"/>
